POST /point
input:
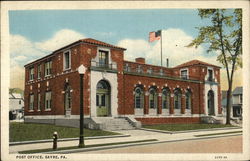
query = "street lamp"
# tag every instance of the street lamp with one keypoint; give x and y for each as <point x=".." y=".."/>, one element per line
<point x="81" y="71"/>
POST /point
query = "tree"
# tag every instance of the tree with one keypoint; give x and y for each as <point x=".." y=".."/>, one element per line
<point x="224" y="36"/>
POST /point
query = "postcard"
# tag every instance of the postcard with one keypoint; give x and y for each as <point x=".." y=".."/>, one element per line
<point x="125" y="80"/>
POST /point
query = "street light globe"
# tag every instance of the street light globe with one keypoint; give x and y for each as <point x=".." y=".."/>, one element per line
<point x="81" y="69"/>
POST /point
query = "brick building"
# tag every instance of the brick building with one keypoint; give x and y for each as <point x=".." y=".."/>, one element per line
<point x="115" y="88"/>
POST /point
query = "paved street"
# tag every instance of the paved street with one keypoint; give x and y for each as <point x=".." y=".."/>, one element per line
<point x="232" y="144"/>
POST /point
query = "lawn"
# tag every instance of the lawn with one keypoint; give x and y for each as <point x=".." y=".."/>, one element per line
<point x="30" y="131"/>
<point x="183" y="127"/>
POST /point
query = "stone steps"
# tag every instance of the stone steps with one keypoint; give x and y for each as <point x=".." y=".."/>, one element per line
<point x="109" y="123"/>
<point x="211" y="120"/>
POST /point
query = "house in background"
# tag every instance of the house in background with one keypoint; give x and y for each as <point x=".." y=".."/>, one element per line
<point x="236" y="103"/>
<point x="16" y="106"/>
<point x="117" y="93"/>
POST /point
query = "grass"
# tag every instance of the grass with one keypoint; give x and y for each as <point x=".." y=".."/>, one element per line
<point x="86" y="146"/>
<point x="231" y="132"/>
<point x="184" y="127"/>
<point x="31" y="131"/>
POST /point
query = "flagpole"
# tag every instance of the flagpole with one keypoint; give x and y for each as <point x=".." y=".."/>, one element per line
<point x="161" y="47"/>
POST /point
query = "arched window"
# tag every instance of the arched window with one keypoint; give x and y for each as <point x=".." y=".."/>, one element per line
<point x="188" y="99"/>
<point x="165" y="98"/>
<point x="152" y="98"/>
<point x="103" y="85"/>
<point x="139" y="97"/>
<point x="67" y="97"/>
<point x="177" y="99"/>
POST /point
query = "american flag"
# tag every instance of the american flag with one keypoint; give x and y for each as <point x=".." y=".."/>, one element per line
<point x="154" y="36"/>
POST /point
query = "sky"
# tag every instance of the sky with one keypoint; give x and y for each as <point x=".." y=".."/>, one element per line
<point x="36" y="33"/>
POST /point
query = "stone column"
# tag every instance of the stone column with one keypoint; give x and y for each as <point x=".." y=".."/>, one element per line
<point x="183" y="104"/>
<point x="146" y="105"/>
<point x="171" y="104"/>
<point x="159" y="104"/>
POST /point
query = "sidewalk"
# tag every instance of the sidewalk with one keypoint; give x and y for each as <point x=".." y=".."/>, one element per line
<point x="135" y="135"/>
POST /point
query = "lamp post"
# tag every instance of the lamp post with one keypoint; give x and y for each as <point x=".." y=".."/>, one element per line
<point x="81" y="71"/>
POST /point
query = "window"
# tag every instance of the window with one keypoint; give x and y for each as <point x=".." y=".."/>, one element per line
<point x="161" y="72"/>
<point x="67" y="60"/>
<point x="103" y="58"/>
<point x="103" y="101"/>
<point x="38" y="102"/>
<point x="39" y="71"/>
<point x="127" y="67"/>
<point x="97" y="100"/>
<point x="139" y="69"/>
<point x="31" y="103"/>
<point x="165" y="98"/>
<point x="152" y="98"/>
<point x="150" y="70"/>
<point x="139" y="98"/>
<point x="20" y="102"/>
<point x="177" y="99"/>
<point x="184" y="74"/>
<point x="188" y="100"/>
<point x="32" y="73"/>
<point x="48" y="100"/>
<point x="210" y="75"/>
<point x="48" y="68"/>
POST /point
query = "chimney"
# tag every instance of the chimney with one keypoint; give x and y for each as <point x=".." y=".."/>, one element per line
<point x="140" y="60"/>
<point x="167" y="63"/>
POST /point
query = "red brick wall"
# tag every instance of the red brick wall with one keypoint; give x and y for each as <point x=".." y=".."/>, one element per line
<point x="132" y="80"/>
<point x="82" y="54"/>
<point x="152" y="121"/>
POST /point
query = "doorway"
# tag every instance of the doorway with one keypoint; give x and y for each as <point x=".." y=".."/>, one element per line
<point x="103" y="99"/>
<point x="210" y="102"/>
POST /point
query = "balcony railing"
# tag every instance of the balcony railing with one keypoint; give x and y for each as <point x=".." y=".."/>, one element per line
<point x="158" y="73"/>
<point x="103" y="66"/>
<point x="210" y="79"/>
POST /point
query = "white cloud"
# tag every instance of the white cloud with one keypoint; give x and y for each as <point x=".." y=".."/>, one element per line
<point x="173" y="47"/>
<point x="20" y="58"/>
<point x="21" y="46"/>
<point x="135" y="48"/>
<point x="61" y="38"/>
<point x="16" y="75"/>
<point x="23" y="51"/>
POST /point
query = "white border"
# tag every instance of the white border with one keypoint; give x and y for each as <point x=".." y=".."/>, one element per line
<point x="27" y="5"/>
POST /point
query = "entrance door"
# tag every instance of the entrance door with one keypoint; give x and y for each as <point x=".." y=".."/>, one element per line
<point x="103" y="99"/>
<point x="210" y="102"/>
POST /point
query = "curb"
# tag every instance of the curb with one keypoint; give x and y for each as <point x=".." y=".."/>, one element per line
<point x="65" y="139"/>
<point x="187" y="131"/>
<point x="135" y="144"/>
